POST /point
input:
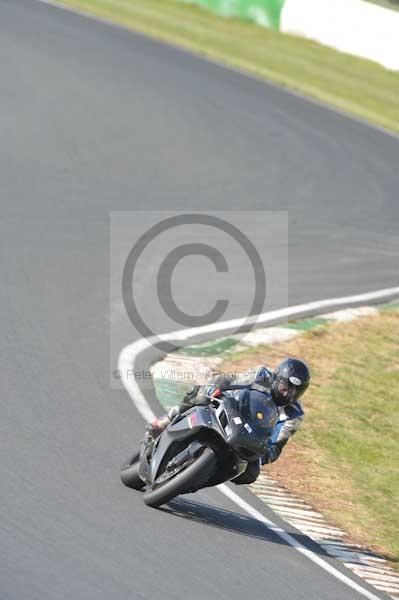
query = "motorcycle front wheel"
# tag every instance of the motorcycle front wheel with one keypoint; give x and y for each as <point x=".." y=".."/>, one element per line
<point x="183" y="481"/>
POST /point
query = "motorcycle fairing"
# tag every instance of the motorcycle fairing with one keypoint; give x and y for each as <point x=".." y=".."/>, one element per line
<point x="180" y="429"/>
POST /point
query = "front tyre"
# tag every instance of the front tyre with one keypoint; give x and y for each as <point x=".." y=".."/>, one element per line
<point x="183" y="481"/>
<point x="130" y="473"/>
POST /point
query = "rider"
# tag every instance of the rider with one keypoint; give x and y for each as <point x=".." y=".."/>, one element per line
<point x="285" y="385"/>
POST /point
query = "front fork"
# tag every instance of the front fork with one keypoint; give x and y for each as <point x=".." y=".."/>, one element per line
<point x="146" y="449"/>
<point x="185" y="455"/>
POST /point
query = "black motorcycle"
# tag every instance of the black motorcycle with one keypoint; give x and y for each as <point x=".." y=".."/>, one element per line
<point x="202" y="447"/>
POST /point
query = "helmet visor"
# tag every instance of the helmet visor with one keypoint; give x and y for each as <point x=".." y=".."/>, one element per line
<point x="291" y="389"/>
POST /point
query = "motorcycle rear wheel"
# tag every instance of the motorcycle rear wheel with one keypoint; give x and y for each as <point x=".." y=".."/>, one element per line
<point x="182" y="482"/>
<point x="130" y="473"/>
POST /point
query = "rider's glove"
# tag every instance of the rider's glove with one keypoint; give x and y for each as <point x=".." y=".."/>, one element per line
<point x="273" y="451"/>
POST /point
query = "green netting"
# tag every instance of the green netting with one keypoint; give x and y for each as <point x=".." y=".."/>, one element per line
<point x="210" y="348"/>
<point x="306" y="324"/>
<point x="263" y="12"/>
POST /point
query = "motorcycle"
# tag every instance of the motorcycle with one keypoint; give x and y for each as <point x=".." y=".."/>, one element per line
<point x="203" y="447"/>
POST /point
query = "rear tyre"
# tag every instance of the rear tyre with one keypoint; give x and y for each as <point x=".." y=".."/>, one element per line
<point x="183" y="481"/>
<point x="130" y="473"/>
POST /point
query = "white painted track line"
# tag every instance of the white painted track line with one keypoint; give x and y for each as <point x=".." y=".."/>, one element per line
<point x="291" y="541"/>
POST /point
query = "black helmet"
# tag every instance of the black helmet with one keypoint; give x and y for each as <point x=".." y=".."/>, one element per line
<point x="290" y="380"/>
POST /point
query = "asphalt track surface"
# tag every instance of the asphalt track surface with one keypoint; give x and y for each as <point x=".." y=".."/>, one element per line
<point x="94" y="119"/>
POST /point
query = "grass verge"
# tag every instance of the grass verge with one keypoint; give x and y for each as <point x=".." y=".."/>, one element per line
<point x="356" y="86"/>
<point x="391" y="4"/>
<point x="345" y="460"/>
